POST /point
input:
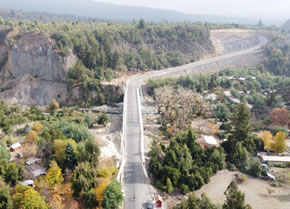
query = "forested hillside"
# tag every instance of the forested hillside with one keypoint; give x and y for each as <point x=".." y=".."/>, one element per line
<point x="103" y="50"/>
<point x="278" y="56"/>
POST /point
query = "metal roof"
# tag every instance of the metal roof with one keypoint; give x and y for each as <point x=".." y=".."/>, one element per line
<point x="276" y="158"/>
<point x="15" y="146"/>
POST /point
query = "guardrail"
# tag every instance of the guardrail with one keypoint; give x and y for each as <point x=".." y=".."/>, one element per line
<point x="123" y="141"/>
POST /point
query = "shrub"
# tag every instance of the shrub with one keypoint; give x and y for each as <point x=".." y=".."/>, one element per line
<point x="184" y="189"/>
<point x="241" y="178"/>
<point x="103" y="119"/>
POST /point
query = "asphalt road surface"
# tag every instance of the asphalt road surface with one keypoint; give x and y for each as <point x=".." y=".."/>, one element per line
<point x="135" y="180"/>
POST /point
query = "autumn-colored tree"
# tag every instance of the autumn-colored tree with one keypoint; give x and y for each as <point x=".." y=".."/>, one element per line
<point x="267" y="137"/>
<point x="25" y="197"/>
<point x="38" y="127"/>
<point x="100" y="191"/>
<point x="54" y="106"/>
<point x="280" y="116"/>
<point x="60" y="147"/>
<point x="53" y="175"/>
<point x="31" y="137"/>
<point x="279" y="142"/>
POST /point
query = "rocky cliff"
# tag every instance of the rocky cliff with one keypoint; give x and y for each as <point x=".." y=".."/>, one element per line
<point x="31" y="70"/>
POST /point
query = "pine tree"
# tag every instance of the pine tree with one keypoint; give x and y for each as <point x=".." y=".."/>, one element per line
<point x="141" y="24"/>
<point x="235" y="199"/>
<point x="240" y="121"/>
<point x="70" y="159"/>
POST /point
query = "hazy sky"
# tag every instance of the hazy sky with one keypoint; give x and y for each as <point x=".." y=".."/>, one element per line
<point x="265" y="9"/>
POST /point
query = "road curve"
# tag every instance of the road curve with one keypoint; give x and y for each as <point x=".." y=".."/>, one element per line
<point x="135" y="179"/>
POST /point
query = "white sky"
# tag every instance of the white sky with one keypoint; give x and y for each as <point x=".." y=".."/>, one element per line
<point x="266" y="9"/>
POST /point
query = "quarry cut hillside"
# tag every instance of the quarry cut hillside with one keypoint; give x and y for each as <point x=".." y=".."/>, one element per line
<point x="32" y="72"/>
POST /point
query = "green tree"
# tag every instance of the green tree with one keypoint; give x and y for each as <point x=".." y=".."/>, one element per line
<point x="222" y="112"/>
<point x="239" y="155"/>
<point x="84" y="178"/>
<point x="89" y="121"/>
<point x="235" y="198"/>
<point x="70" y="160"/>
<point x="60" y="146"/>
<point x="259" y="100"/>
<point x="141" y="24"/>
<point x="205" y="203"/>
<point x="241" y="123"/>
<point x="53" y="175"/>
<point x="113" y="196"/>
<point x="4" y="153"/>
<point x="5" y="196"/>
<point x="12" y="174"/>
<point x="103" y="119"/>
<point x="90" y="199"/>
<point x="169" y="187"/>
<point x="255" y="168"/>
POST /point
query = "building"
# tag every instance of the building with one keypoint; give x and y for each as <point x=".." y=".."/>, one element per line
<point x="210" y="141"/>
<point x="15" y="147"/>
<point x="32" y="161"/>
<point x="39" y="172"/>
<point x="280" y="159"/>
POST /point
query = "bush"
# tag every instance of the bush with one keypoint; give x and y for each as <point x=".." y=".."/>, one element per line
<point x="103" y="119"/>
<point x="89" y="121"/>
<point x="241" y="178"/>
<point x="231" y="167"/>
<point x="113" y="196"/>
<point x="184" y="189"/>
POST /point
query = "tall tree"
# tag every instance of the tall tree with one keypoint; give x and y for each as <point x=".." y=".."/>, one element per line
<point x="5" y="196"/>
<point x="280" y="116"/>
<point x="25" y="197"/>
<point x="70" y="160"/>
<point x="267" y="137"/>
<point x="241" y="123"/>
<point x="222" y="112"/>
<point x="113" y="196"/>
<point x="235" y="199"/>
<point x="84" y="178"/>
<point x="12" y="174"/>
<point x="279" y="143"/>
<point x="53" y="175"/>
<point x="141" y="24"/>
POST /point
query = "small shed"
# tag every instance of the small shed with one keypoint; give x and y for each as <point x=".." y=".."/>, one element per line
<point x="210" y="141"/>
<point x="32" y="161"/>
<point x="39" y="172"/>
<point x="15" y="147"/>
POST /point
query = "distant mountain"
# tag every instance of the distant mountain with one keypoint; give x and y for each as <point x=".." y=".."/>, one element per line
<point x="100" y="10"/>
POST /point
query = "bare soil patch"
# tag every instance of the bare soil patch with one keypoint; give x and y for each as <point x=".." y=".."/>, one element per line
<point x="255" y="191"/>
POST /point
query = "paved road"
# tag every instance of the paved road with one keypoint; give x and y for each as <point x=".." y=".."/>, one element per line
<point x="135" y="180"/>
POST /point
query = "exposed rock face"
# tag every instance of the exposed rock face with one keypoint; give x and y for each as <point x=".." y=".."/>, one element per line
<point x="233" y="40"/>
<point x="29" y="90"/>
<point x="33" y="72"/>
